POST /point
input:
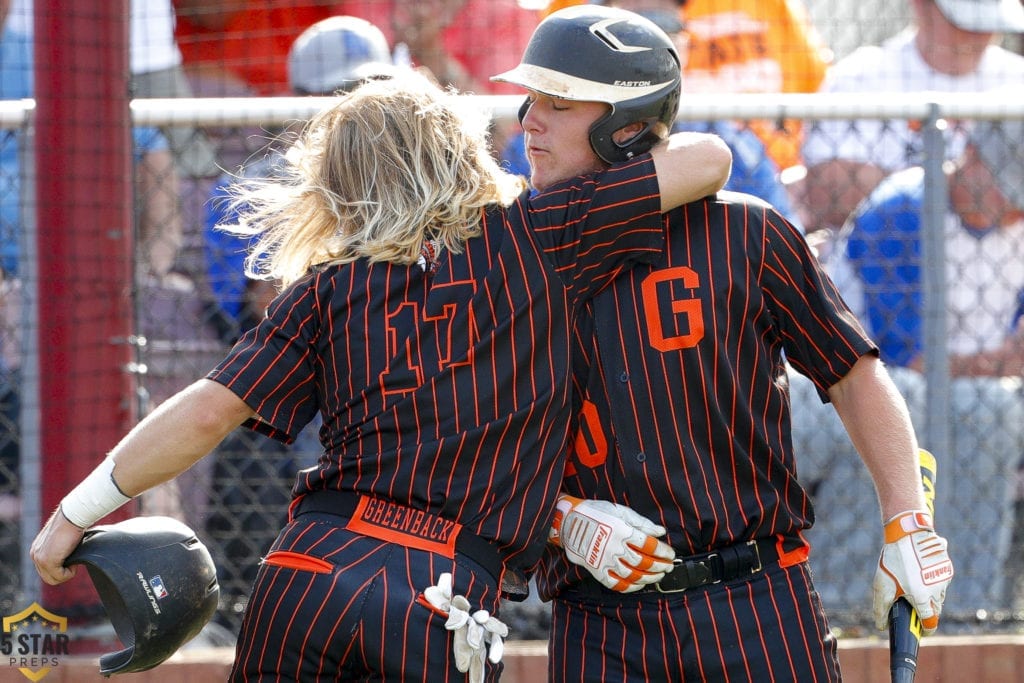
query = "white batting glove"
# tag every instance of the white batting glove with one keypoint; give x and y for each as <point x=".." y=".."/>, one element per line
<point x="618" y="546"/>
<point x="474" y="636"/>
<point x="914" y="563"/>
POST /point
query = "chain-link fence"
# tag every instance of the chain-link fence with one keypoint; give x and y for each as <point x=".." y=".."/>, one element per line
<point x="958" y="292"/>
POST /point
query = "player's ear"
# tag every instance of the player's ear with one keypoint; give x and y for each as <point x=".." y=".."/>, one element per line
<point x="628" y="132"/>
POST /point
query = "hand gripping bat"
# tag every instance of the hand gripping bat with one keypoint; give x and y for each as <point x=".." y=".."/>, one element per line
<point x="904" y="624"/>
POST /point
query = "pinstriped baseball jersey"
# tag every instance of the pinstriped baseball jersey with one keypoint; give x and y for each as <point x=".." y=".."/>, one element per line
<point x="687" y="415"/>
<point x="447" y="388"/>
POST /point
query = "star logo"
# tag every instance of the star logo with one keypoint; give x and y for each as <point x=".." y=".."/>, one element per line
<point x="33" y="639"/>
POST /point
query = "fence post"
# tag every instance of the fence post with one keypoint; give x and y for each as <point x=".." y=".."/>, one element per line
<point x="937" y="432"/>
<point x="84" y="233"/>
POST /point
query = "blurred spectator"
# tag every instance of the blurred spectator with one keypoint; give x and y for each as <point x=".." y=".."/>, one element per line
<point x="754" y="171"/>
<point x="756" y="46"/>
<point x="156" y="68"/>
<point x="877" y="259"/>
<point x="237" y="47"/>
<point x="158" y="211"/>
<point x="244" y="43"/>
<point x="333" y="55"/>
<point x="15" y="84"/>
<point x="157" y="215"/>
<point x="950" y="48"/>
<point x="462" y="42"/>
<point x="156" y="72"/>
<point x="877" y="265"/>
<point x="846" y="25"/>
<point x="151" y="156"/>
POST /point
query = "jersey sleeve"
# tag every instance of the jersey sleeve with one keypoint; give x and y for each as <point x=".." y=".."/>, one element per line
<point x="272" y="367"/>
<point x="593" y="226"/>
<point x="821" y="337"/>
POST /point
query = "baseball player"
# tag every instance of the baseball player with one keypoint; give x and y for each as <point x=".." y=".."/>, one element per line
<point x="677" y="550"/>
<point x="427" y="312"/>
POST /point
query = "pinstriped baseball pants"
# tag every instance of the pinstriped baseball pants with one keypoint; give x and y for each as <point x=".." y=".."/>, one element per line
<point x="769" y="627"/>
<point x="329" y="604"/>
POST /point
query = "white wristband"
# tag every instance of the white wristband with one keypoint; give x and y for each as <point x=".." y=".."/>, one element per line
<point x="95" y="498"/>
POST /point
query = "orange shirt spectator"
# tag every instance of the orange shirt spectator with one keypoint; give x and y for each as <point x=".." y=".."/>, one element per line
<point x="761" y="46"/>
<point x="753" y="46"/>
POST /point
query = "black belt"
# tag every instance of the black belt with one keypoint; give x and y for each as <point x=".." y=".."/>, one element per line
<point x="402" y="524"/>
<point x="722" y="564"/>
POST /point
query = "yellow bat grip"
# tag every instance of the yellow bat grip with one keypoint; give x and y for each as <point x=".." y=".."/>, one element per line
<point x="928" y="469"/>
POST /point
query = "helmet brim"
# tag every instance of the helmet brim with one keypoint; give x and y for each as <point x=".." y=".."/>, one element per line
<point x="567" y="87"/>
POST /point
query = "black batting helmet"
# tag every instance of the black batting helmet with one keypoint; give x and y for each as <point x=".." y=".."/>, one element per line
<point x="611" y="55"/>
<point x="158" y="585"/>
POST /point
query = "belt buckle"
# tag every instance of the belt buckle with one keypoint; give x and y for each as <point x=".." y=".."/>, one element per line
<point x="676" y="562"/>
<point x="757" y="553"/>
<point x="701" y="563"/>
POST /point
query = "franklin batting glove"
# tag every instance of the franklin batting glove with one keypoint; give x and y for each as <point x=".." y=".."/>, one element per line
<point x="474" y="636"/>
<point x="914" y="564"/>
<point x="619" y="547"/>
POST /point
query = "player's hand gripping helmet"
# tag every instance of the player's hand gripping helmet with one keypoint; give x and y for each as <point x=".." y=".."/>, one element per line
<point x="158" y="585"/>
<point x="337" y="53"/>
<point x="604" y="54"/>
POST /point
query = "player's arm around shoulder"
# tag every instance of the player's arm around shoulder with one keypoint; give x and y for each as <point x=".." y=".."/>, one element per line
<point x="690" y="166"/>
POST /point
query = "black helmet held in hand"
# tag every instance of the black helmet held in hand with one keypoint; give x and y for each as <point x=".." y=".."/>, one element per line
<point x="158" y="585"/>
<point x="605" y="54"/>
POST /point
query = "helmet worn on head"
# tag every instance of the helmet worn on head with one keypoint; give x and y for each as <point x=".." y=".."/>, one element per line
<point x="611" y="55"/>
<point x="337" y="53"/>
<point x="158" y="585"/>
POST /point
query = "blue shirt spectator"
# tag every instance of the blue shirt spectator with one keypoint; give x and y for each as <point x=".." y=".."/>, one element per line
<point x="878" y="268"/>
<point x="225" y="254"/>
<point x="15" y="84"/>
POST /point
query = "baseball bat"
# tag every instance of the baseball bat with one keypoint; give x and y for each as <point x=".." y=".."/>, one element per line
<point x="904" y="624"/>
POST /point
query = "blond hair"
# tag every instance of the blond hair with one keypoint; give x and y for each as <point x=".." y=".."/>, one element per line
<point x="395" y="163"/>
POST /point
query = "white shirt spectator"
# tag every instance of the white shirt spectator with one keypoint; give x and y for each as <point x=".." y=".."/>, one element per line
<point x="897" y="67"/>
<point x="153" y="47"/>
<point x="152" y="33"/>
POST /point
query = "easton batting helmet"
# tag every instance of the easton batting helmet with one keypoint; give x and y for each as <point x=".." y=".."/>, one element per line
<point x="611" y="55"/>
<point x="335" y="54"/>
<point x="158" y="585"/>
